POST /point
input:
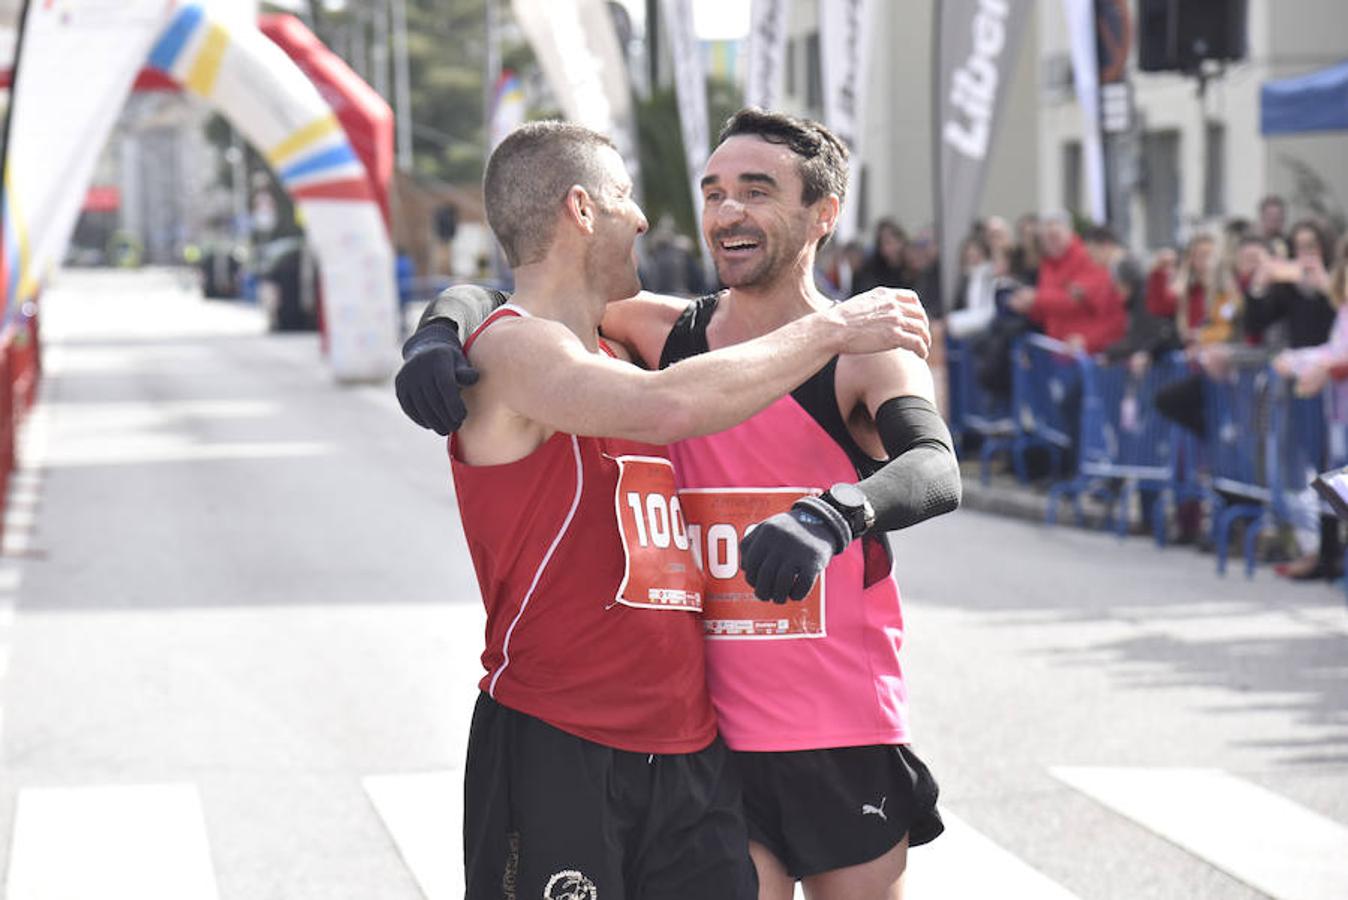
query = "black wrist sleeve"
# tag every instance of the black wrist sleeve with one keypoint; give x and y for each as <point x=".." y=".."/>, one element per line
<point x="463" y="307"/>
<point x="922" y="477"/>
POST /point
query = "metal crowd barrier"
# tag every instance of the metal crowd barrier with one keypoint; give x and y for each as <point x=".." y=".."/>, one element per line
<point x="974" y="409"/>
<point x="1046" y="399"/>
<point x="1125" y="445"/>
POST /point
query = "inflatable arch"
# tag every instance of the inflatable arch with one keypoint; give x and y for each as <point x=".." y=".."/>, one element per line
<point x="79" y="61"/>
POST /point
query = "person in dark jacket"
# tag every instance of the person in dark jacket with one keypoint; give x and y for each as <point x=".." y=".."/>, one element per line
<point x="884" y="267"/>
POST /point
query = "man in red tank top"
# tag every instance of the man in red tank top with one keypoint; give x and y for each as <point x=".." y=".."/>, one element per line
<point x="593" y="764"/>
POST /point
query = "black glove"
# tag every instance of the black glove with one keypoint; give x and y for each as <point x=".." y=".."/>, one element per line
<point x="434" y="373"/>
<point x="784" y="554"/>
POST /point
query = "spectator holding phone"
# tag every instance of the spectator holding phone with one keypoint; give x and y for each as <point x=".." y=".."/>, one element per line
<point x="1294" y="310"/>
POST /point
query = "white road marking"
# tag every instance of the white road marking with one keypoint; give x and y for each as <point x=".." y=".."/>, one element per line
<point x="144" y="842"/>
<point x="965" y="863"/>
<point x="1249" y="832"/>
<point x="423" y="812"/>
<point x="169" y="448"/>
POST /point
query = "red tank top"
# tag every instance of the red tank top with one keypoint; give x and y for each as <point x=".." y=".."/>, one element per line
<point x="591" y="591"/>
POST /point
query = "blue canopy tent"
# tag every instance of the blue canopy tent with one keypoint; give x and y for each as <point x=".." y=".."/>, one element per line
<point x="1314" y="102"/>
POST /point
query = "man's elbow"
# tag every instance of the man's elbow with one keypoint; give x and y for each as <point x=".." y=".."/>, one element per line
<point x="945" y="494"/>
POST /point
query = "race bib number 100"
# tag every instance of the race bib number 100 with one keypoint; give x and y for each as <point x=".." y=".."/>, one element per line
<point x="718" y="519"/>
<point x="660" y="571"/>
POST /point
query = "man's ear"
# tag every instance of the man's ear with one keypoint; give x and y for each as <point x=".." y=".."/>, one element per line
<point x="580" y="209"/>
<point x="827" y="213"/>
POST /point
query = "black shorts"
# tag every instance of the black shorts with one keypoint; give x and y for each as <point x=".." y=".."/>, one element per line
<point x="819" y="810"/>
<point x="550" y="815"/>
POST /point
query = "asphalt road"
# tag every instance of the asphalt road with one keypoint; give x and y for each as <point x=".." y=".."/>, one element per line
<point x="239" y="636"/>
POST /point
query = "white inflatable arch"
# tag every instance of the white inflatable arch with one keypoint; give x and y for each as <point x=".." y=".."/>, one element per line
<point x="78" y="62"/>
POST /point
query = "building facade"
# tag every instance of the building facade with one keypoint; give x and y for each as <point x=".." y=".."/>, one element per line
<point x="1189" y="166"/>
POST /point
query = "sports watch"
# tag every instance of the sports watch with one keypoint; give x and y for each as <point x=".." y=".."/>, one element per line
<point x="849" y="500"/>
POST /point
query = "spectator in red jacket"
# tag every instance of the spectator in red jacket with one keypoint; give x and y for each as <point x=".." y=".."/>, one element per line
<point x="1075" y="300"/>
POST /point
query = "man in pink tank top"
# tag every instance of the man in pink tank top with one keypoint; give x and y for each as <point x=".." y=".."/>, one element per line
<point x="594" y="769"/>
<point x="808" y="689"/>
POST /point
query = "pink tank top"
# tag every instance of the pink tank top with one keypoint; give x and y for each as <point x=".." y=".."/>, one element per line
<point x="813" y="674"/>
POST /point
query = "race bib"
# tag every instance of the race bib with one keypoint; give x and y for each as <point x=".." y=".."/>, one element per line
<point x="718" y="518"/>
<point x="660" y="572"/>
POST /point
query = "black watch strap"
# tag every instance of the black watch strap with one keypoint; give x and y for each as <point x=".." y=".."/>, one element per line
<point x="851" y="502"/>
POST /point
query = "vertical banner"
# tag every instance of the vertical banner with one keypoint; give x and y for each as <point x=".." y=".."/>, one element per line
<point x="507" y="107"/>
<point x="845" y="28"/>
<point x="79" y="62"/>
<point x="1113" y="46"/>
<point x="1086" y="75"/>
<point x="577" y="48"/>
<point x="976" y="46"/>
<point x="690" y="84"/>
<point x="767" y="53"/>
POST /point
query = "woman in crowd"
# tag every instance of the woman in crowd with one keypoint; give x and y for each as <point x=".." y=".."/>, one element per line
<point x="1294" y="310"/>
<point x="1201" y="297"/>
<point x="975" y="303"/>
<point x="885" y="267"/>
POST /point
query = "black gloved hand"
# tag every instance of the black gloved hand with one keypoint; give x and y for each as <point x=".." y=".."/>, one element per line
<point x="434" y="373"/>
<point x="784" y="555"/>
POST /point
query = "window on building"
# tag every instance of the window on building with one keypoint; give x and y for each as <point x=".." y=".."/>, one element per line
<point x="814" y="77"/>
<point x="1214" y="171"/>
<point x="1161" y="187"/>
<point x="791" y="80"/>
<point x="1071" y="176"/>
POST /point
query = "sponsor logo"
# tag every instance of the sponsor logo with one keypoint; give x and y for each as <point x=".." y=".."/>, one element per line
<point x="868" y="810"/>
<point x="973" y="86"/>
<point x="569" y="884"/>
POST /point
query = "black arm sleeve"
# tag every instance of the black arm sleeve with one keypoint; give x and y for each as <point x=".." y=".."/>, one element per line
<point x="463" y="307"/>
<point x="922" y="477"/>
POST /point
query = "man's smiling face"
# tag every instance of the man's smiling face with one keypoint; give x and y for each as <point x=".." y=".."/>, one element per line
<point x="753" y="218"/>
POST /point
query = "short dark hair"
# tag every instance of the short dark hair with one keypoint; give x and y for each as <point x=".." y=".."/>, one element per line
<point x="529" y="174"/>
<point x="823" y="158"/>
<point x="1321" y="237"/>
<point x="1273" y="200"/>
<point x="1100" y="234"/>
<point x="892" y="226"/>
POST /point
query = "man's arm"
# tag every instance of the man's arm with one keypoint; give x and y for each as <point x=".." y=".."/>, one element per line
<point x="465" y="306"/>
<point x="642" y="324"/>
<point x="921" y="480"/>
<point x="549" y="377"/>
<point x="435" y="370"/>
<point x="786" y="553"/>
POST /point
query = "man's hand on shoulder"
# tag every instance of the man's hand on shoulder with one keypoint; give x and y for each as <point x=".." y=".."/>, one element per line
<point x="899" y="308"/>
<point x="434" y="373"/>
<point x="435" y="369"/>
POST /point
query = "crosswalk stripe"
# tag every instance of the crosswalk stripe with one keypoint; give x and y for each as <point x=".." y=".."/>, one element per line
<point x="1249" y="832"/>
<point x="423" y="812"/>
<point x="963" y="862"/>
<point x="142" y="842"/>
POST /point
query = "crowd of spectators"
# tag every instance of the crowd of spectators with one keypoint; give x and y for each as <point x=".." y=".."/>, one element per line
<point x="1256" y="291"/>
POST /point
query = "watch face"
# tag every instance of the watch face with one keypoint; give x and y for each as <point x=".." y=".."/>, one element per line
<point x="848" y="495"/>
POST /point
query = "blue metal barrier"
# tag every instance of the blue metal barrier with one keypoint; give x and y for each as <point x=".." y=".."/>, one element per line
<point x="1241" y="447"/>
<point x="1125" y="444"/>
<point x="975" y="410"/>
<point x="1046" y="399"/>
